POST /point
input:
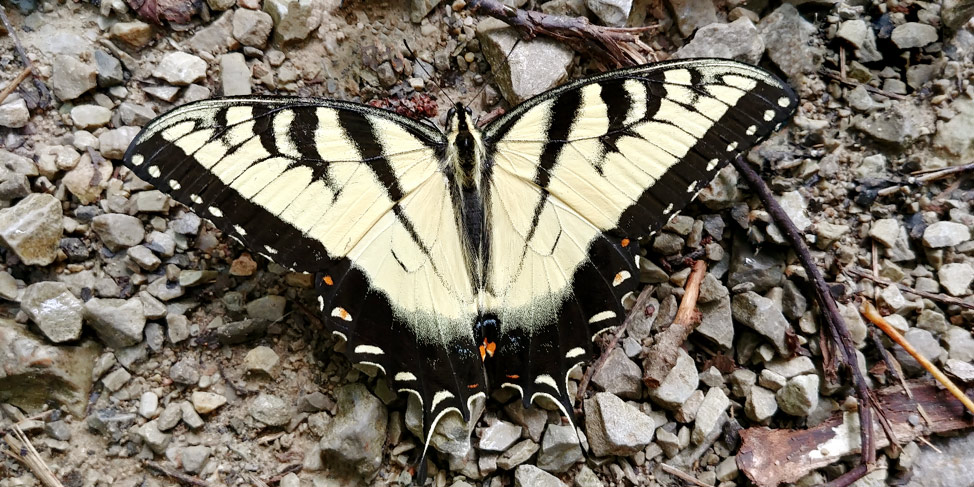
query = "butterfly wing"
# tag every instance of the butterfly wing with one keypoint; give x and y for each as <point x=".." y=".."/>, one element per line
<point x="579" y="173"/>
<point x="352" y="194"/>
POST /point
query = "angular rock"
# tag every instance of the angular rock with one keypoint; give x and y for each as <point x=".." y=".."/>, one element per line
<point x="355" y="436"/>
<point x="156" y="440"/>
<point x="194" y="458"/>
<point x="897" y="125"/>
<point x="499" y="436"/>
<point x="271" y="410"/>
<point x="71" y="78"/>
<point x="87" y="180"/>
<point x="109" y="69"/>
<point x="54" y="310"/>
<point x="620" y="376"/>
<point x="532" y="419"/>
<point x="180" y="68"/>
<point x="113" y="143"/>
<point x="691" y="15"/>
<point x="679" y="383"/>
<point x="118" y="322"/>
<point x="14" y="113"/>
<point x="799" y="396"/>
<point x="252" y="27"/>
<point x="234" y="74"/>
<point x="559" y="449"/>
<point x="206" y="402"/>
<point x="960" y="344"/>
<point x="715" y="403"/>
<point x="954" y="137"/>
<point x="614" y="427"/>
<point x="32" y="228"/>
<point x="118" y="231"/>
<point x="532" y="67"/>
<point x="269" y="308"/>
<point x="956" y="278"/>
<point x="788" y="38"/>
<point x="738" y="40"/>
<point x="914" y="34"/>
<point x="136" y="34"/>
<point x="945" y="234"/>
<point x="261" y="360"/>
<point x="531" y="476"/>
<point x="216" y="37"/>
<point x="761" y="315"/>
<point x="613" y="13"/>
<point x="761" y="404"/>
<point x="293" y="19"/>
<point x="763" y="270"/>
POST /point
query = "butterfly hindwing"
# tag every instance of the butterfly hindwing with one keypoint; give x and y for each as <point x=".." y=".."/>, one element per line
<point x="353" y="194"/>
<point x="578" y="170"/>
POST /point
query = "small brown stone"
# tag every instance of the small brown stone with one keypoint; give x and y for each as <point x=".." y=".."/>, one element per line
<point x="243" y="266"/>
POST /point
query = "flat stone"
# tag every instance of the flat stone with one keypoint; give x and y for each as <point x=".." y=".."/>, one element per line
<point x="169" y="417"/>
<point x="799" y="396"/>
<point x="678" y="384"/>
<point x="793" y="367"/>
<point x="148" y="404"/>
<point x="190" y="416"/>
<point x="761" y="315"/>
<point x="960" y="344"/>
<point x="261" y="360"/>
<point x="185" y="371"/>
<point x="177" y="328"/>
<point x="741" y="382"/>
<point x="156" y="440"/>
<point x="194" y="458"/>
<point x="559" y="449"/>
<point x="144" y="258"/>
<point x="165" y="93"/>
<point x="153" y="201"/>
<point x="87" y="180"/>
<point x="32" y="228"/>
<point x="897" y="125"/>
<point x="235" y="75"/>
<point x="954" y="137"/>
<point x="853" y="31"/>
<point x="789" y="39"/>
<point x="499" y="436"/>
<point x="109" y="69"/>
<point x="945" y="234"/>
<point x="532" y="419"/>
<point x="293" y="19"/>
<point x="691" y="15"/>
<point x="136" y="33"/>
<point x="355" y="436"/>
<point x="180" y="68"/>
<point x="620" y="376"/>
<point x="207" y="402"/>
<point x="269" y="308"/>
<point x="914" y="34"/>
<point x="531" y="476"/>
<point x="761" y="404"/>
<point x="54" y="310"/>
<point x="614" y="427"/>
<point x="252" y="27"/>
<point x="71" y="78"/>
<point x="612" y="13"/>
<point x="216" y="37"/>
<point x="532" y="67"/>
<point x="164" y="290"/>
<point x="715" y="403"/>
<point x="738" y="40"/>
<point x="271" y="410"/>
<point x="517" y="454"/>
<point x="960" y="369"/>
<point x="116" y="379"/>
<point x="763" y="270"/>
<point x="956" y="278"/>
<point x="14" y="113"/>
<point x="118" y="322"/>
<point x="118" y="231"/>
<point x="113" y="143"/>
<point x="135" y="113"/>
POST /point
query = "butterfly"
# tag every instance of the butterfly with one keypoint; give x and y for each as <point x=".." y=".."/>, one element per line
<point x="471" y="260"/>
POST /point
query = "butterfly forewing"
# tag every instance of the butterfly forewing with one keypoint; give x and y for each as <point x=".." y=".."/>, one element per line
<point x="579" y="173"/>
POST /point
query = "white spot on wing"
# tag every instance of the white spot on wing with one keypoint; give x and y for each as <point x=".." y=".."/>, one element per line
<point x="138" y="159"/>
<point x="731" y="146"/>
<point x="783" y="102"/>
<point x="752" y="130"/>
<point x="215" y="211"/>
<point x="712" y="164"/>
<point x="174" y="185"/>
<point x="196" y="199"/>
<point x="240" y="230"/>
<point x="546" y="380"/>
<point x="341" y="313"/>
<point x="154" y="171"/>
<point x="605" y="315"/>
<point x="270" y="250"/>
<point x="405" y="376"/>
<point x="321" y="303"/>
<point x="575" y="352"/>
<point x="768" y="115"/>
<point x="440" y="397"/>
<point x="369" y="349"/>
<point x="668" y="209"/>
<point x="621" y="277"/>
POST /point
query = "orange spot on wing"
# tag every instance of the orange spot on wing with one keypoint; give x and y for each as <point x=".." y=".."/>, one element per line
<point x="513" y="376"/>
<point x="625" y="242"/>
<point x="491" y="347"/>
<point x="328" y="280"/>
<point x="473" y="386"/>
<point x="483" y="353"/>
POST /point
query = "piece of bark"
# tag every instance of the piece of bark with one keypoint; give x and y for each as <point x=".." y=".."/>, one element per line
<point x="772" y="457"/>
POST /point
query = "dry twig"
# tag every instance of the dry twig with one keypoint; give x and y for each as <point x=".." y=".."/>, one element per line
<point x="870" y="312"/>
<point x="930" y="175"/>
<point x="45" y="95"/>
<point x="943" y="298"/>
<point x="665" y="349"/>
<point x="22" y="450"/>
<point x="680" y="474"/>
<point x="853" y="83"/>
<point x="15" y="83"/>
<point x="177" y="476"/>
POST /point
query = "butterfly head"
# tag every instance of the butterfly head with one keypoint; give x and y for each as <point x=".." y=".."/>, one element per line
<point x="459" y="118"/>
<point x="465" y="147"/>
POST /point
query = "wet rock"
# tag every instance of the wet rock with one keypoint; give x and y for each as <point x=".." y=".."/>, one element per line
<point x="52" y="307"/>
<point x="234" y="74"/>
<point x="531" y="476"/>
<point x="118" y="231"/>
<point x="273" y="411"/>
<point x="517" y="454"/>
<point x="760" y="314"/>
<point x="532" y="67"/>
<point x="293" y="20"/>
<point x="956" y="278"/>
<point x="356" y="434"/>
<point x="559" y="449"/>
<point x="252" y="27"/>
<point x="761" y="404"/>
<point x="737" y="40"/>
<point x="620" y="376"/>
<point x="945" y="234"/>
<point x="679" y="383"/>
<point x="71" y="78"/>
<point x="180" y="68"/>
<point x="788" y="38"/>
<point x="913" y="34"/>
<point x="206" y="402"/>
<point x="613" y="13"/>
<point x="708" y="417"/>
<point x="614" y="427"/>
<point x="109" y="69"/>
<point x="691" y="15"/>
<point x="799" y="396"/>
<point x="37" y="374"/>
<point x="32" y="228"/>
<point x="136" y="34"/>
<point x="194" y="458"/>
<point x="261" y="360"/>
<point x="118" y="322"/>
<point x="499" y="436"/>
<point x="14" y="113"/>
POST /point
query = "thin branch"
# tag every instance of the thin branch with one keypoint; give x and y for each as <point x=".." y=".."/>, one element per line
<point x="18" y="442"/>
<point x="870" y="312"/>
<point x="853" y="83"/>
<point x="15" y="83"/>
<point x="664" y="352"/>
<point x="616" y="45"/>
<point x="637" y="309"/>
<point x="932" y="174"/>
<point x="24" y="59"/>
<point x="838" y="331"/>
<point x="177" y="476"/>
<point x="943" y="298"/>
<point x="680" y="474"/>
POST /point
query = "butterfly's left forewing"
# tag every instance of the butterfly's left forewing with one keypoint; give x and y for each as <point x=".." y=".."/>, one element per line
<point x="352" y="194"/>
<point x="578" y="174"/>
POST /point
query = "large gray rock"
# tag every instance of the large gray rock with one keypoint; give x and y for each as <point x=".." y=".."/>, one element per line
<point x="614" y="427"/>
<point x="691" y="15"/>
<point x="118" y="231"/>
<point x="914" y="34"/>
<point x="789" y="38"/>
<point x="559" y="449"/>
<point x="945" y="234"/>
<point x="737" y="40"/>
<point x="708" y="418"/>
<point x="946" y="465"/>
<point x="897" y="125"/>
<point x="37" y="373"/>
<point x="499" y="436"/>
<point x="354" y="438"/>
<point x="956" y="278"/>
<point x="532" y="67"/>
<point x="118" y="322"/>
<point x="760" y="314"/>
<point x="180" y="68"/>
<point x="71" y="78"/>
<point x="32" y="228"/>
<point x="531" y="476"/>
<point x="679" y="383"/>
<point x="613" y="13"/>
<point x="293" y="19"/>
<point x="620" y="376"/>
<point x="52" y="307"/>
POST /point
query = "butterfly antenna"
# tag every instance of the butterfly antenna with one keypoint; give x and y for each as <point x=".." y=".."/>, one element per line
<point x="491" y="74"/>
<point x="428" y="74"/>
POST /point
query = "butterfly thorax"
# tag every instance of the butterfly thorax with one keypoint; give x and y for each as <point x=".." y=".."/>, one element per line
<point x="465" y="149"/>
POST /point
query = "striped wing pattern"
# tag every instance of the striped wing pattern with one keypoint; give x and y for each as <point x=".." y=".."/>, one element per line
<point x="352" y="194"/>
<point x="365" y="199"/>
<point x="581" y="172"/>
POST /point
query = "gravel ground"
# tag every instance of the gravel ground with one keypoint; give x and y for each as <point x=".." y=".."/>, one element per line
<point x="136" y="340"/>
